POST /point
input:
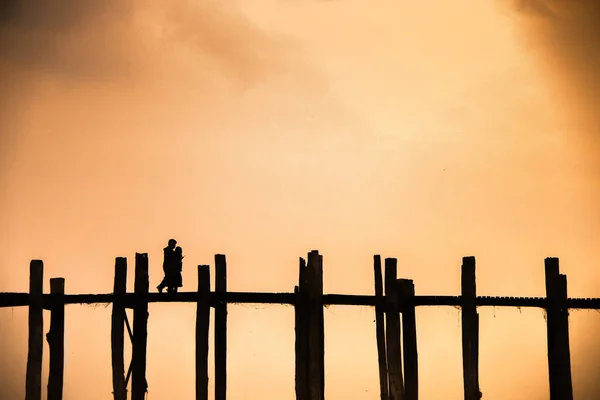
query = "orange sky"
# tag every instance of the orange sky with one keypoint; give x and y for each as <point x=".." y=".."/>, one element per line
<point x="425" y="131"/>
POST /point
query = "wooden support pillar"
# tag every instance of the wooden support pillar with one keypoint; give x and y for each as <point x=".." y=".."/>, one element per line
<point x="139" y="385"/>
<point x="220" y="328"/>
<point x="301" y="330"/>
<point x="394" y="352"/>
<point x="316" y="364"/>
<point x="117" y="330"/>
<point x="33" y="384"/>
<point x="557" y="317"/>
<point x="321" y="325"/>
<point x="564" y="351"/>
<point x="470" y="331"/>
<point x="406" y="293"/>
<point x="56" y="339"/>
<point x="202" y="327"/>
<point x="380" y="330"/>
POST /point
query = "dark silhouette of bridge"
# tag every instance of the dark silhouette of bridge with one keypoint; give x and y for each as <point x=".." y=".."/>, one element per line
<point x="395" y="326"/>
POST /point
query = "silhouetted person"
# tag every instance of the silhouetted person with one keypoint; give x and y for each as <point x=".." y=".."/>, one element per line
<point x="168" y="263"/>
<point x="176" y="278"/>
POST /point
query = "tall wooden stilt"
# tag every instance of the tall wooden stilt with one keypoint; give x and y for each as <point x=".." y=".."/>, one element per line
<point x="470" y="331"/>
<point x="117" y="331"/>
<point x="301" y="330"/>
<point x="202" y="327"/>
<point x="33" y="384"/>
<point x="56" y="339"/>
<point x="220" y="328"/>
<point x="394" y="353"/>
<point x="559" y="360"/>
<point x="315" y="327"/>
<point x="139" y="386"/>
<point x="321" y="320"/>
<point x="406" y="292"/>
<point x="380" y="330"/>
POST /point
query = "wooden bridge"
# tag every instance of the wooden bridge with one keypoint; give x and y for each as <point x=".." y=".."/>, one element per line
<point x="395" y="329"/>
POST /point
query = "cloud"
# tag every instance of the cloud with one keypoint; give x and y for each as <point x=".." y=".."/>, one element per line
<point x="112" y="39"/>
<point x="567" y="34"/>
<point x="184" y="55"/>
<point x="534" y="7"/>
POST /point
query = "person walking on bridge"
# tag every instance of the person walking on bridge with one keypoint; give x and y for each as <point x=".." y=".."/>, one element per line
<point x="177" y="279"/>
<point x="168" y="266"/>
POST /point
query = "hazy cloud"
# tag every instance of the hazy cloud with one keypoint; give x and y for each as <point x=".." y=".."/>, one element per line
<point x="203" y="55"/>
<point x="568" y="33"/>
<point x="109" y="39"/>
<point x="534" y="7"/>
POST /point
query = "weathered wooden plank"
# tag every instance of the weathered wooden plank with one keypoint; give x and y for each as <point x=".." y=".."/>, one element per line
<point x="117" y="330"/>
<point x="392" y="325"/>
<point x="139" y="386"/>
<point x="557" y="317"/>
<point x="301" y="331"/>
<point x="380" y="329"/>
<point x="56" y="342"/>
<point x="470" y="331"/>
<point x="33" y="384"/>
<point x="406" y="294"/>
<point x="220" y="328"/>
<point x="202" y="332"/>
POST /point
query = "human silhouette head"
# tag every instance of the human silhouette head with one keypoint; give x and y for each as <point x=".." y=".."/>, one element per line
<point x="172" y="243"/>
<point x="178" y="250"/>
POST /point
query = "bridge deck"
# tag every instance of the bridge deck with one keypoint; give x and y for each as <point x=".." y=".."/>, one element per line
<point x="22" y="299"/>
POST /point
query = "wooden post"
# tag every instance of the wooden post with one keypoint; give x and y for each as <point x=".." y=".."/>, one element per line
<point x="202" y="325"/>
<point x="117" y="330"/>
<point x="321" y="325"/>
<point x="394" y="352"/>
<point x="551" y="274"/>
<point x="301" y="329"/>
<point x="220" y="328"/>
<point x="470" y="331"/>
<point x="380" y="330"/>
<point x="559" y="362"/>
<point x="140" y="328"/>
<point x="563" y="337"/>
<point x="56" y="339"/>
<point x="406" y="293"/>
<point x="315" y="327"/>
<point x="33" y="384"/>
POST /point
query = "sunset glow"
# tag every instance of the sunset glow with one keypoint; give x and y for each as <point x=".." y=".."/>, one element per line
<point x="425" y="131"/>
